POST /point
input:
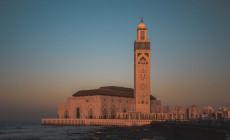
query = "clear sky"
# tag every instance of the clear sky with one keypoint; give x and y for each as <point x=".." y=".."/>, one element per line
<point x="50" y="49"/>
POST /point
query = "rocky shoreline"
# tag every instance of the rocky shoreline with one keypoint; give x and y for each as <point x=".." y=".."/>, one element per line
<point x="158" y="132"/>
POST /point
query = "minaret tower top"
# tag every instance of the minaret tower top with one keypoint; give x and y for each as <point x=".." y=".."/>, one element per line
<point x="141" y="32"/>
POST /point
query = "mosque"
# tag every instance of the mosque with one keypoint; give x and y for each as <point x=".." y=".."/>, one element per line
<point x="119" y="103"/>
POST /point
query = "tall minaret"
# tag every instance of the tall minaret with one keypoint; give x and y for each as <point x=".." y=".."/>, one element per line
<point x="142" y="69"/>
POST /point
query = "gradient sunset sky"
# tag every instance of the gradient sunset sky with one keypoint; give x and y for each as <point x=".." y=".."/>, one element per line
<point x="50" y="49"/>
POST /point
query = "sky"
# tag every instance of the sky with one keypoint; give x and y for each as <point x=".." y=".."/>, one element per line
<point x="51" y="49"/>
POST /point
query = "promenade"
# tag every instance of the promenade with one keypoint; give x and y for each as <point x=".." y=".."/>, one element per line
<point x="102" y="122"/>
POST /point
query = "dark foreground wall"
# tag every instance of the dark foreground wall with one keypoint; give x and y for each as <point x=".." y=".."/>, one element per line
<point x="158" y="132"/>
<point x="190" y="132"/>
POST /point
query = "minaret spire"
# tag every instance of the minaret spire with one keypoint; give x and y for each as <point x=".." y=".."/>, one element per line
<point x="142" y="70"/>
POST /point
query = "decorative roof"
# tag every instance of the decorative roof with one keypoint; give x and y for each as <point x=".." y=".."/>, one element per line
<point x="142" y="25"/>
<point x="109" y="91"/>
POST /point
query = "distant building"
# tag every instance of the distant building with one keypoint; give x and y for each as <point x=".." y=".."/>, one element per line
<point x="208" y="113"/>
<point x="229" y="114"/>
<point x="193" y="112"/>
<point x="178" y="113"/>
<point x="156" y="107"/>
<point x="208" y="110"/>
<point x="222" y="113"/>
<point x="223" y="109"/>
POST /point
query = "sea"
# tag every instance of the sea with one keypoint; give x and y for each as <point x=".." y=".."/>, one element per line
<point x="35" y="131"/>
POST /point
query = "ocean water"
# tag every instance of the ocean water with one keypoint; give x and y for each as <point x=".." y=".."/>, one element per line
<point x="35" y="131"/>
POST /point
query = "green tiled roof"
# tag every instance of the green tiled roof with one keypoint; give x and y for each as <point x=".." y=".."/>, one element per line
<point x="109" y="91"/>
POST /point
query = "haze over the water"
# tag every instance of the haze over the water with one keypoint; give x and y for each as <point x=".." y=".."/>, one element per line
<point x="51" y="49"/>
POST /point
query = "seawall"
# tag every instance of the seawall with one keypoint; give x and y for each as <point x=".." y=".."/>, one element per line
<point x="102" y="122"/>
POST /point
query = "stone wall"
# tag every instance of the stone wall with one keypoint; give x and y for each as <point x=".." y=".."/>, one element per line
<point x="102" y="122"/>
<point x="95" y="107"/>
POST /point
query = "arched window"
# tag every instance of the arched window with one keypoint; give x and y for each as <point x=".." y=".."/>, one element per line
<point x="78" y="112"/>
<point x="113" y="113"/>
<point x="90" y="113"/>
<point x="66" y="115"/>
<point x="143" y="60"/>
<point x="131" y="116"/>
<point x="142" y="35"/>
<point x="104" y="113"/>
<point x="124" y="110"/>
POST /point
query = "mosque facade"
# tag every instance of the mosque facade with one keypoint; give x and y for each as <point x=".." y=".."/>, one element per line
<point x="118" y="102"/>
